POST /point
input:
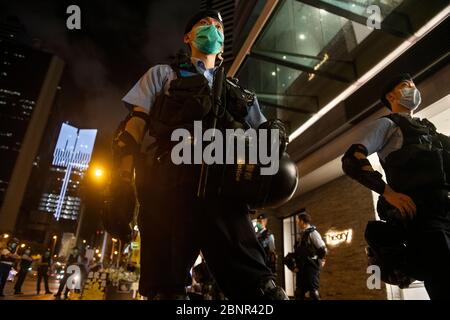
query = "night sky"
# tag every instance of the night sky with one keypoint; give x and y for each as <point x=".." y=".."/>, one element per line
<point x="118" y="41"/>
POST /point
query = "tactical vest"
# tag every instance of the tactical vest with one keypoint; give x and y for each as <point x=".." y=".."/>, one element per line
<point x="25" y="264"/>
<point x="189" y="99"/>
<point x="305" y="250"/>
<point x="423" y="160"/>
<point x="264" y="238"/>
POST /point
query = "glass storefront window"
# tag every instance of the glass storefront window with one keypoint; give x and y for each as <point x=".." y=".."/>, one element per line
<point x="311" y="51"/>
<point x="360" y="6"/>
<point x="299" y="51"/>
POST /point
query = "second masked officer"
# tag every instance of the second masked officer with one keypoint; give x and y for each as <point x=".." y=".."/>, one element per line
<point x="175" y="223"/>
<point x="414" y="240"/>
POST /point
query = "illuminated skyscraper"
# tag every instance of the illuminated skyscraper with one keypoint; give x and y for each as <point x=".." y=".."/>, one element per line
<point x="72" y="156"/>
<point x="28" y="83"/>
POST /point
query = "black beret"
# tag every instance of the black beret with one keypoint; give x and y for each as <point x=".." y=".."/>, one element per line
<point x="199" y="16"/>
<point x="391" y="85"/>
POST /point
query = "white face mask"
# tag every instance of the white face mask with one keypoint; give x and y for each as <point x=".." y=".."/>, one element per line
<point x="411" y="98"/>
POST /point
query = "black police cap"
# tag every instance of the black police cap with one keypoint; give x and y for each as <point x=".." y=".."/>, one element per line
<point x="391" y="85"/>
<point x="262" y="216"/>
<point x="13" y="240"/>
<point x="199" y="16"/>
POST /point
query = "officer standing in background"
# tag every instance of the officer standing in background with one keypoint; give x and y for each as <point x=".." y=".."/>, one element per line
<point x="416" y="160"/>
<point x="43" y="270"/>
<point x="175" y="223"/>
<point x="25" y="264"/>
<point x="310" y="252"/>
<point x="267" y="241"/>
<point x="74" y="259"/>
<point x="8" y="258"/>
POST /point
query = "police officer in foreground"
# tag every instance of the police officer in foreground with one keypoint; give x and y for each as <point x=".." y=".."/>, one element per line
<point x="8" y="258"/>
<point x="175" y="220"/>
<point x="310" y="252"/>
<point x="415" y="201"/>
<point x="267" y="241"/>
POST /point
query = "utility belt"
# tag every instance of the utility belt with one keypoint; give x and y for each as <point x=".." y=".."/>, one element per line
<point x="9" y="263"/>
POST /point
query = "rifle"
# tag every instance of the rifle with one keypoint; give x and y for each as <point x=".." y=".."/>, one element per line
<point x="217" y="105"/>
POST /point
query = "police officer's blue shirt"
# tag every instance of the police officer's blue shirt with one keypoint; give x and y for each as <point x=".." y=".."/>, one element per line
<point x="157" y="80"/>
<point x="383" y="137"/>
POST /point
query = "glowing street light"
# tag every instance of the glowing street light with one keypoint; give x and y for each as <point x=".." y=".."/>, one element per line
<point x="55" y="237"/>
<point x="98" y="172"/>
<point x="22" y="245"/>
<point x="5" y="236"/>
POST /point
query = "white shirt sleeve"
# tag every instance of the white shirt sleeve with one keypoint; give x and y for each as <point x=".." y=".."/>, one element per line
<point x="144" y="92"/>
<point x="316" y="239"/>
<point x="377" y="134"/>
<point x="271" y="243"/>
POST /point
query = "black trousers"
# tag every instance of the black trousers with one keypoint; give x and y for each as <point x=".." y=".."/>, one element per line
<point x="62" y="284"/>
<point x="4" y="273"/>
<point x="308" y="279"/>
<point x="432" y="257"/>
<point x="429" y="239"/>
<point x="42" y="275"/>
<point x="21" y="276"/>
<point x="176" y="225"/>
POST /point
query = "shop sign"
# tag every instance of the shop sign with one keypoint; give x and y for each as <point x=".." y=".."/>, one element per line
<point x="334" y="238"/>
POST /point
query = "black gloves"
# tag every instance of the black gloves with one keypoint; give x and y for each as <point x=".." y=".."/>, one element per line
<point x="121" y="201"/>
<point x="119" y="209"/>
<point x="283" y="135"/>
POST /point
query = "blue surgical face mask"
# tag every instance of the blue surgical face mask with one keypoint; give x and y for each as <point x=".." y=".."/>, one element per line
<point x="208" y="39"/>
<point x="410" y="98"/>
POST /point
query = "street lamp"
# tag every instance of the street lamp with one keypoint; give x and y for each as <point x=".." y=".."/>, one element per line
<point x="98" y="174"/>
<point x="22" y="245"/>
<point x="112" y="248"/>
<point x="97" y="177"/>
<point x="54" y="243"/>
<point x="5" y="236"/>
